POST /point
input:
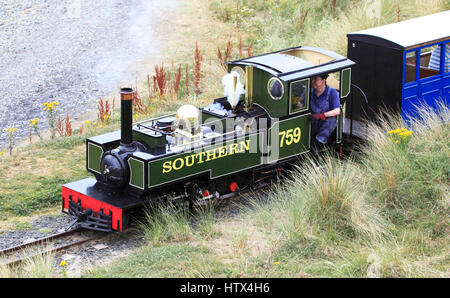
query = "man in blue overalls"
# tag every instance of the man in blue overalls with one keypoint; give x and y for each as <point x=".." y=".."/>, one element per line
<point x="325" y="107"/>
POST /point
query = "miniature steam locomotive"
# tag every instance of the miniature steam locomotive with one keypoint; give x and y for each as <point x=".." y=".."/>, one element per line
<point x="244" y="139"/>
<point x="201" y="154"/>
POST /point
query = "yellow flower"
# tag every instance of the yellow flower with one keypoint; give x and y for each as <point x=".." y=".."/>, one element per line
<point x="50" y="105"/>
<point x="275" y="263"/>
<point x="2" y="152"/>
<point x="87" y="122"/>
<point x="11" y="130"/>
<point x="63" y="263"/>
<point x="34" y="121"/>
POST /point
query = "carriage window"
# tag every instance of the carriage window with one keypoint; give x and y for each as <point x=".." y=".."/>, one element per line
<point x="430" y="61"/>
<point x="299" y="99"/>
<point x="410" y="67"/>
<point x="447" y="58"/>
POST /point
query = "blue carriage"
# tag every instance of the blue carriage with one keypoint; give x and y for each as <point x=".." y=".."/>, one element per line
<point x="400" y="66"/>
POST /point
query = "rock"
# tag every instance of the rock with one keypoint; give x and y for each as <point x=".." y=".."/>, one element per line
<point x="68" y="257"/>
<point x="100" y="246"/>
<point x="29" y="240"/>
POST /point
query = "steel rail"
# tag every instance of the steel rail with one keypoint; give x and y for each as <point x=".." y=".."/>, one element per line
<point x="47" y="239"/>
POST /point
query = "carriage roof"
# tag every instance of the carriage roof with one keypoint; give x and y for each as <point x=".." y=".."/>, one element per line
<point x="297" y="62"/>
<point x="408" y="34"/>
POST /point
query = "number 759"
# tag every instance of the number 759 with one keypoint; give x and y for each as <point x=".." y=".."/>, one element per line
<point x="290" y="136"/>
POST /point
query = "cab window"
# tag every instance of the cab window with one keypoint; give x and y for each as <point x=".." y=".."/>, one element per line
<point x="299" y="98"/>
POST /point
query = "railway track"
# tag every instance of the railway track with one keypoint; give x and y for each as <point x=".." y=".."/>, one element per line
<point x="53" y="243"/>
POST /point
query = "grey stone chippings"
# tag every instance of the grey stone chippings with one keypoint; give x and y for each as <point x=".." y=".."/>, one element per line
<point x="70" y="51"/>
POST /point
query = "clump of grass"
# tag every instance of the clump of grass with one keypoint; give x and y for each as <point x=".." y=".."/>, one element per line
<point x="166" y="223"/>
<point x="204" y="221"/>
<point x="329" y="201"/>
<point x="38" y="266"/>
<point x="324" y="199"/>
<point x="411" y="181"/>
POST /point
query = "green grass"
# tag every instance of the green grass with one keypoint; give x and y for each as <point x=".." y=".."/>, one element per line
<point x="180" y="259"/>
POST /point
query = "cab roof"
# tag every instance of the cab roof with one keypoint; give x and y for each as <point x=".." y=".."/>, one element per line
<point x="408" y="34"/>
<point x="297" y="62"/>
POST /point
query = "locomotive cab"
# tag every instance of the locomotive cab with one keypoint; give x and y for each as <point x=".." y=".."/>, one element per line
<point x="280" y="83"/>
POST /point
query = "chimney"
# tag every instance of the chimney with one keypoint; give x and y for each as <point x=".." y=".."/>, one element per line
<point x="126" y="114"/>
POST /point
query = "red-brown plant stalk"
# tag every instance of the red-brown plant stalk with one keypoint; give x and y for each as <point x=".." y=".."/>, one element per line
<point x="177" y="79"/>
<point x="149" y="88"/>
<point x="333" y="8"/>
<point x="104" y="111"/>
<point x="60" y="127"/>
<point x="220" y="58"/>
<point x="155" y="84"/>
<point x="186" y="82"/>
<point x="197" y="71"/>
<point x="138" y="105"/>
<point x="228" y="51"/>
<point x="240" y="47"/>
<point x="250" y="50"/>
<point x="68" y="128"/>
<point x="160" y="79"/>
<point x="302" y="19"/>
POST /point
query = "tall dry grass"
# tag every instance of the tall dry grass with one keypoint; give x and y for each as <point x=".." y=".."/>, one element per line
<point x="274" y="25"/>
<point x="411" y="182"/>
<point x="324" y="199"/>
<point x="39" y="266"/>
<point x="384" y="214"/>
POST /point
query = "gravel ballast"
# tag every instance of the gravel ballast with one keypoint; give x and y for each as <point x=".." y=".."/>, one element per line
<point x="73" y="52"/>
